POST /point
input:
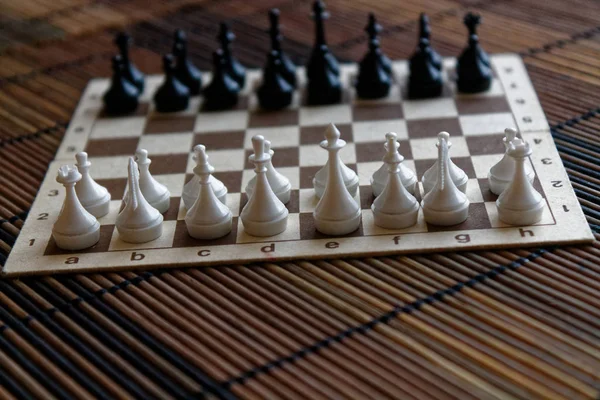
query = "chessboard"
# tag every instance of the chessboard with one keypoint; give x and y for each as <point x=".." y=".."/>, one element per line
<point x="475" y="123"/>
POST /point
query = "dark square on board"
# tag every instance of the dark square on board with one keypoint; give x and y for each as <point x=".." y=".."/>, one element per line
<point x="173" y="211"/>
<point x="115" y="186"/>
<point x="112" y="147"/>
<point x="428" y="128"/>
<point x="170" y="124"/>
<point x="485" y="145"/>
<point x="376" y="112"/>
<point x="140" y="111"/>
<point x="463" y="163"/>
<point x="481" y="105"/>
<point x="478" y="219"/>
<point x="374" y="151"/>
<point x="315" y="134"/>
<point x="264" y="118"/>
<point x="106" y="232"/>
<point x="283" y="157"/>
<point x="168" y="164"/>
<point x="308" y="173"/>
<point x="220" y="140"/>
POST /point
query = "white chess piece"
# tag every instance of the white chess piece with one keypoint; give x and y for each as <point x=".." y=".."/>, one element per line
<point x="190" y="189"/>
<point x="395" y="207"/>
<point x="280" y="184"/>
<point x="445" y="204"/>
<point x="457" y="175"/>
<point x="337" y="213"/>
<point x="349" y="177"/>
<point x="154" y="192"/>
<point x="381" y="176"/>
<point x="93" y="197"/>
<point x="208" y="218"/>
<point x="138" y="222"/>
<point x="520" y="203"/>
<point x="502" y="172"/>
<point x="264" y="214"/>
<point x="75" y="228"/>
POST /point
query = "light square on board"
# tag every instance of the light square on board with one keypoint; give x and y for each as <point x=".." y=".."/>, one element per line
<point x="486" y="124"/>
<point x="110" y="128"/>
<point x="313" y="155"/>
<point x="292" y="173"/>
<point x="478" y="219"/>
<point x="173" y="182"/>
<point x="221" y="121"/>
<point x="463" y="163"/>
<point x="221" y="160"/>
<point x="284" y="136"/>
<point x="324" y="115"/>
<point x="483" y="163"/>
<point x="283" y="157"/>
<point x="166" y="143"/>
<point x="374" y="131"/>
<point x="473" y="192"/>
<point x="110" y="167"/>
<point x="423" y="149"/>
<point x="165" y="240"/>
<point x="307" y="200"/>
<point x="114" y="208"/>
<point x="495" y="222"/>
<point x="429" y="108"/>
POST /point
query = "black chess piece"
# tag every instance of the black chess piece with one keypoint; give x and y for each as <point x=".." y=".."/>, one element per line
<point x="320" y="15"/>
<point x="130" y="72"/>
<point x="373" y="81"/>
<point x="172" y="95"/>
<point x="472" y="21"/>
<point x="425" y="80"/>
<point x="222" y="92"/>
<point x="425" y="33"/>
<point x="185" y="71"/>
<point x="373" y="30"/>
<point x="288" y="69"/>
<point x="324" y="85"/>
<point x="233" y="66"/>
<point x="473" y="68"/>
<point x="122" y="96"/>
<point x="275" y="92"/>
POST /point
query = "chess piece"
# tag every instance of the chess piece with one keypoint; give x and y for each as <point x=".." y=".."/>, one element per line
<point x="185" y="71"/>
<point x="373" y="30"/>
<point x="222" y="92"/>
<point x="380" y="177"/>
<point x="264" y="214"/>
<point x="336" y="213"/>
<point x="138" y="221"/>
<point x="349" y="177"/>
<point x="155" y="193"/>
<point x="324" y="86"/>
<point x="130" y="72"/>
<point x="501" y="174"/>
<point x="93" y="197"/>
<point x="232" y="65"/>
<point x="122" y="96"/>
<point x="395" y="207"/>
<point x="172" y="95"/>
<point x="373" y="81"/>
<point x="319" y="56"/>
<point x="275" y="91"/>
<point x="444" y="204"/>
<point x="458" y="176"/>
<point x="190" y="190"/>
<point x="75" y="228"/>
<point x="288" y="69"/>
<point x="473" y="65"/>
<point x="425" y="33"/>
<point x="425" y="79"/>
<point x="520" y="203"/>
<point x="280" y="184"/>
<point x="208" y="218"/>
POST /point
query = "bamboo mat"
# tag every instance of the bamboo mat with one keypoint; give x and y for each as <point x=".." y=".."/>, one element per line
<point x="503" y="324"/>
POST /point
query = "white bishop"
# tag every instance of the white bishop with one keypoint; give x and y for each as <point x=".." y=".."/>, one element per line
<point x="458" y="176"/>
<point x="502" y="172"/>
<point x="190" y="189"/>
<point x="280" y="184"/>
<point x="93" y="197"/>
<point x="381" y="176"/>
<point x="154" y="192"/>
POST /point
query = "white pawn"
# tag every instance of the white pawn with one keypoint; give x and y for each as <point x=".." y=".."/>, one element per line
<point x="444" y="204"/>
<point x="520" y="203"/>
<point x="458" y="176"/>
<point x="138" y="222"/>
<point x="208" y="218"/>
<point x="381" y="176"/>
<point x="155" y="193"/>
<point x="280" y="184"/>
<point x="503" y="171"/>
<point x="190" y="189"/>
<point x="264" y="214"/>
<point x="75" y="228"/>
<point x="337" y="213"/>
<point x="349" y="177"/>
<point x="93" y="197"/>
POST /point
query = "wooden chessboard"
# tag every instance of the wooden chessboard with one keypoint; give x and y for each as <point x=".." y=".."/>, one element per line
<point x="475" y="122"/>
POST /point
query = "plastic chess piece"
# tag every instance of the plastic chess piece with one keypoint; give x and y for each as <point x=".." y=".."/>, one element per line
<point x="222" y="92"/>
<point x="275" y="91"/>
<point x="373" y="30"/>
<point x="172" y="95"/>
<point x="208" y="218"/>
<point x="190" y="189"/>
<point x="471" y="21"/>
<point x="75" y="228"/>
<point x="520" y="203"/>
<point x="155" y="193"/>
<point x="122" y="96"/>
<point x="380" y="177"/>
<point x="425" y="33"/>
<point x="373" y="81"/>
<point x="458" y="176"/>
<point x="319" y="15"/>
<point x="501" y="174"/>
<point x="336" y="213"/>
<point x="93" y="197"/>
<point x="264" y="214"/>
<point x="444" y="204"/>
<point x="130" y="72"/>
<point x="324" y="86"/>
<point x="138" y="221"/>
<point x="349" y="177"/>
<point x="185" y="71"/>
<point x="280" y="184"/>
<point x="288" y="68"/>
<point x="232" y="65"/>
<point x="425" y="79"/>
<point x="473" y="65"/>
<point x="395" y="207"/>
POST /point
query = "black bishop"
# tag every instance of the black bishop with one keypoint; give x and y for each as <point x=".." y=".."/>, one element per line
<point x="185" y="70"/>
<point x="130" y="72"/>
<point x="288" y="69"/>
<point x="373" y="81"/>
<point x="122" y="96"/>
<point x="473" y="65"/>
<point x="232" y="65"/>
<point x="425" y="79"/>
<point x="275" y="91"/>
<point x="172" y="95"/>
<point x="222" y="92"/>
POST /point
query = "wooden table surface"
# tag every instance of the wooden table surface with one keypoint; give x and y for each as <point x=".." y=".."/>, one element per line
<point x="472" y="325"/>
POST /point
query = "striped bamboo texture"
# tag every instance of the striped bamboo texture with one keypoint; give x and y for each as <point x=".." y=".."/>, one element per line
<point x="488" y="325"/>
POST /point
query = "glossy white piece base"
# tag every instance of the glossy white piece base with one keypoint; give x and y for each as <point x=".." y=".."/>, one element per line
<point x="336" y="228"/>
<point x="270" y="228"/>
<point x="521" y="217"/>
<point x="78" y="242"/>
<point x="446" y="218"/>
<point x="396" y="221"/>
<point x="212" y="231"/>
<point x="142" y="235"/>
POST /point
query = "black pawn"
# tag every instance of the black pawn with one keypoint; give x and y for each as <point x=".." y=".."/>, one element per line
<point x="172" y="95"/>
<point x="122" y="96"/>
<point x="320" y="15"/>
<point x="275" y="92"/>
<point x="324" y="85"/>
<point x="288" y="69"/>
<point x="185" y="71"/>
<point x="425" y="79"/>
<point x="373" y="81"/>
<point x="472" y="67"/>
<point x="373" y="30"/>
<point x="425" y="33"/>
<point x="233" y="66"/>
<point x="222" y="92"/>
<point x="472" y="21"/>
<point x="130" y="72"/>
